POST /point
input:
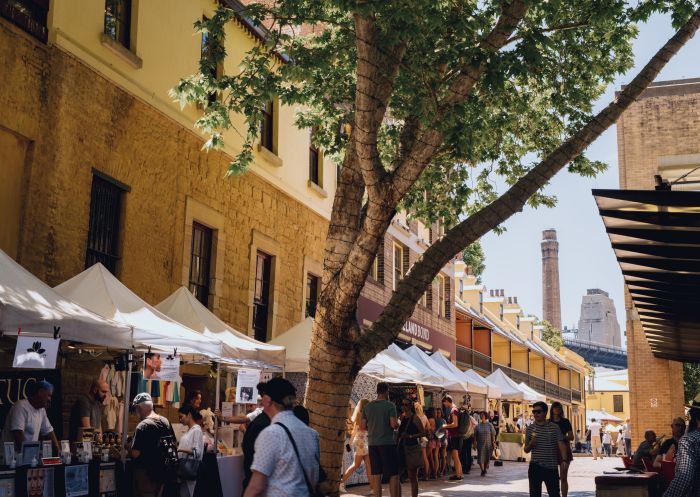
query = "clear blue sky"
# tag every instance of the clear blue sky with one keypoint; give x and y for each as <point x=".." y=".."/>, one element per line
<point x="586" y="260"/>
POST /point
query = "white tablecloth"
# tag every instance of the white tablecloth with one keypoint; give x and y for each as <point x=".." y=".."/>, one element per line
<point x="231" y="475"/>
<point x="511" y="451"/>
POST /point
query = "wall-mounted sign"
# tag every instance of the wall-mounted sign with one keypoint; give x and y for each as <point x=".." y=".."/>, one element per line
<point x="36" y="352"/>
<point x="247" y="386"/>
<point x="416" y="330"/>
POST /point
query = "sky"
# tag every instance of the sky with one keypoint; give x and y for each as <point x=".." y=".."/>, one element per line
<point x="586" y="260"/>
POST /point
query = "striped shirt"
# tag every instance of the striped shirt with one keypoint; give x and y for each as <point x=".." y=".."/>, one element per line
<point x="544" y="453"/>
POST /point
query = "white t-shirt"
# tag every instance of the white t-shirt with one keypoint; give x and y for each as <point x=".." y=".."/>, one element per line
<point x="254" y="414"/>
<point x="607" y="438"/>
<point x="595" y="429"/>
<point x="192" y="439"/>
<point x="33" y="422"/>
<point x="627" y="430"/>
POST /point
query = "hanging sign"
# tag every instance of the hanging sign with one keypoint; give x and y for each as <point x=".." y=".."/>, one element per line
<point x="247" y="386"/>
<point x="36" y="352"/>
<point x="161" y="367"/>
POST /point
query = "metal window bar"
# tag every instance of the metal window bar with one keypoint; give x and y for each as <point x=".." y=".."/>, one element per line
<point x="103" y="227"/>
<point x="118" y="21"/>
<point x="200" y="262"/>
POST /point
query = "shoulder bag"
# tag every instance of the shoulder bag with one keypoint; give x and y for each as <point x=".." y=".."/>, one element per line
<point x="313" y="491"/>
<point x="188" y="469"/>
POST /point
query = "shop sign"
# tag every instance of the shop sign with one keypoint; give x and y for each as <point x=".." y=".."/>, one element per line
<point x="417" y="331"/>
<point x="36" y="352"/>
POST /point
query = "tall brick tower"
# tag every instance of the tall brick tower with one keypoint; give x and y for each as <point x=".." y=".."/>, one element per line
<point x="551" y="303"/>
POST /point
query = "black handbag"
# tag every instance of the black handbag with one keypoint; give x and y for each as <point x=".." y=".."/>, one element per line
<point x="313" y="491"/>
<point x="189" y="467"/>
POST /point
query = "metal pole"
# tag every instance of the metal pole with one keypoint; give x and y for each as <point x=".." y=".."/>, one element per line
<point x="127" y="401"/>
<point x="217" y="399"/>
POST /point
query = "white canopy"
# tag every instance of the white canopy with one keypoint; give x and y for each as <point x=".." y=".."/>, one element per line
<point x="509" y="389"/>
<point x="492" y="390"/>
<point x="531" y="395"/>
<point x="28" y="303"/>
<point x="184" y="308"/>
<point x="592" y="414"/>
<point x="449" y="381"/>
<point x="475" y="384"/>
<point x="427" y="375"/>
<point x="297" y="341"/>
<point x="98" y="290"/>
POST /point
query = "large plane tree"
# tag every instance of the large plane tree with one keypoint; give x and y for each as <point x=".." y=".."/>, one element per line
<point x="423" y="104"/>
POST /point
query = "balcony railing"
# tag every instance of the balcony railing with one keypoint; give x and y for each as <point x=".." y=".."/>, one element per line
<point x="464" y="356"/>
<point x="482" y="362"/>
<point x="551" y="390"/>
<point x="519" y="376"/>
<point x="503" y="368"/>
<point x="576" y="395"/>
<point x="29" y="15"/>
<point x="536" y="384"/>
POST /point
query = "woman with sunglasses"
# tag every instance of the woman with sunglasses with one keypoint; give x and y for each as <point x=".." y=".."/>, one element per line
<point x="556" y="416"/>
<point x="410" y="431"/>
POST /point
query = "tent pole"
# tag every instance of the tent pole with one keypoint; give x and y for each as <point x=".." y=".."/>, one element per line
<point x="127" y="401"/>
<point x="217" y="401"/>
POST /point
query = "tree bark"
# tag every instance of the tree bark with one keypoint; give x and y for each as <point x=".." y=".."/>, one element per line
<point x="339" y="348"/>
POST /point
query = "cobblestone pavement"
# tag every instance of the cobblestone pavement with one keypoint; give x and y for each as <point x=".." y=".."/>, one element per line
<point x="510" y="480"/>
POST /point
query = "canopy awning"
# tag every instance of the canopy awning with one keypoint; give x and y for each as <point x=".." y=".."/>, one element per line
<point x="656" y="239"/>
<point x="474" y="385"/>
<point x="592" y="414"/>
<point x="100" y="291"/>
<point x="28" y="303"/>
<point x="450" y="381"/>
<point x="184" y="308"/>
<point x="532" y="395"/>
<point x="510" y="390"/>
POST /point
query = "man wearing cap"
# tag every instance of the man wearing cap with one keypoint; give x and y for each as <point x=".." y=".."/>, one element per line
<point x="277" y="469"/>
<point x="27" y="420"/>
<point x="146" y="455"/>
<point x="687" y="479"/>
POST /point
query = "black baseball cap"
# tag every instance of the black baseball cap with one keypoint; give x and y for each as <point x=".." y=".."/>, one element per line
<point x="277" y="389"/>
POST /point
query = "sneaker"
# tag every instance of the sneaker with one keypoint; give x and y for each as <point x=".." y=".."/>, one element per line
<point x="341" y="488"/>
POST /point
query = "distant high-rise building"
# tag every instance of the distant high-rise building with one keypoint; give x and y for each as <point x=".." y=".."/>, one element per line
<point x="551" y="300"/>
<point x="598" y="322"/>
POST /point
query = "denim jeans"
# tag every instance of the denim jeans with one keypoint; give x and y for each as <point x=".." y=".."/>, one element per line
<point x="465" y="455"/>
<point x="539" y="474"/>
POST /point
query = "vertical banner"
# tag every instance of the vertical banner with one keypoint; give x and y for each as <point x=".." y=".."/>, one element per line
<point x="246" y="386"/>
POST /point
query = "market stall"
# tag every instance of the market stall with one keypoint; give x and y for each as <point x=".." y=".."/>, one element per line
<point x="448" y="380"/>
<point x="479" y="388"/>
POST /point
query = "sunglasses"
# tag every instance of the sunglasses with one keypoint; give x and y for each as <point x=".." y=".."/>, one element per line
<point x="537" y="411"/>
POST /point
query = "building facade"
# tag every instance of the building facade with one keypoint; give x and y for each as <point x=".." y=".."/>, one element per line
<point x="102" y="166"/>
<point x="657" y="135"/>
<point x="608" y="391"/>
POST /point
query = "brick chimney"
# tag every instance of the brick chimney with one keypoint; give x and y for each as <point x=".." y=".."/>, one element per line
<point x="551" y="301"/>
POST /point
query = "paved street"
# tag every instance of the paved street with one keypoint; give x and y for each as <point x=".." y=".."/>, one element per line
<point x="510" y="480"/>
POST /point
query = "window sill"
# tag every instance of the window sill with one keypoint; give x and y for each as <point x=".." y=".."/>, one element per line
<point x="271" y="157"/>
<point x="317" y="189"/>
<point x="374" y="282"/>
<point x="120" y="50"/>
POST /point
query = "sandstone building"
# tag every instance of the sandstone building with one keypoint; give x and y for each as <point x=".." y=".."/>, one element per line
<point x="598" y="320"/>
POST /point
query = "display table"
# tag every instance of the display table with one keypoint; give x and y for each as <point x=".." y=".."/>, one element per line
<point x="511" y="446"/>
<point x="628" y="485"/>
<point x="231" y="475"/>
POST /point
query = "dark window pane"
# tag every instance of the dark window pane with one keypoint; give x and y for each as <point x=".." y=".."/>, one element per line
<point x="261" y="296"/>
<point x="200" y="262"/>
<point x="266" y="132"/>
<point x="103" y="227"/>
<point x="118" y="21"/>
<point x="29" y="15"/>
<point x="311" y="294"/>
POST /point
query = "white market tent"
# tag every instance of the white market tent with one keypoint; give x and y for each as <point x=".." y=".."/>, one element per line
<point x="493" y="391"/>
<point x="475" y="384"/>
<point x="184" y="308"/>
<point x="601" y="416"/>
<point x="28" y="303"/>
<point x="98" y="290"/>
<point x="449" y="381"/>
<point x="427" y="376"/>
<point x="533" y="395"/>
<point x="509" y="389"/>
<point x="297" y="341"/>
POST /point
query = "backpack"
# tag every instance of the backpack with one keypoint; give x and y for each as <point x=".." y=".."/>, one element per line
<point x="168" y="463"/>
<point x="464" y="426"/>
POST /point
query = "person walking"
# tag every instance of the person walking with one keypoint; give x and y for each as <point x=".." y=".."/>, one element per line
<point x="433" y="446"/>
<point x="594" y="429"/>
<point x="191" y="443"/>
<point x="287" y="453"/>
<point x="607" y="441"/>
<point x="441" y="442"/>
<point x="250" y="435"/>
<point x="556" y="416"/>
<point x="454" y="438"/>
<point x="149" y="476"/>
<point x="620" y="443"/>
<point x="360" y="446"/>
<point x="379" y="418"/>
<point x="410" y="431"/>
<point x="686" y="483"/>
<point x="465" y="454"/>
<point x="424" y="439"/>
<point x="544" y="440"/>
<point x="485" y="435"/>
<point x="627" y="435"/>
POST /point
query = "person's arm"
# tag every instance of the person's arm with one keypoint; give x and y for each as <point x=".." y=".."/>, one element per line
<point x="135" y="450"/>
<point x="257" y="485"/>
<point x="18" y="436"/>
<point x="394" y="423"/>
<point x="54" y="441"/>
<point x="530" y="439"/>
<point x="363" y="423"/>
<point x="454" y="422"/>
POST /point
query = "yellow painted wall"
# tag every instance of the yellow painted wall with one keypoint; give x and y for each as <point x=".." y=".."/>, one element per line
<point x="600" y="401"/>
<point x="501" y="350"/>
<point x="551" y="372"/>
<point x="536" y="365"/>
<point x="165" y="41"/>
<point x="519" y="359"/>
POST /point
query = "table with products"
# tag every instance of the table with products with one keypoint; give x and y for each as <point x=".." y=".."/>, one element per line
<point x="511" y="446"/>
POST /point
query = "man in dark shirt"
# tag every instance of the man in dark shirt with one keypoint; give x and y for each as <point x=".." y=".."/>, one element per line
<point x="147" y="457"/>
<point x="544" y="438"/>
<point x="87" y="410"/>
<point x="669" y="447"/>
<point x="258" y="424"/>
<point x="645" y="449"/>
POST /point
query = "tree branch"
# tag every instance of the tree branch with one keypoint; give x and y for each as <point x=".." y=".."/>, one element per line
<point x="551" y="29"/>
<point x="385" y="329"/>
